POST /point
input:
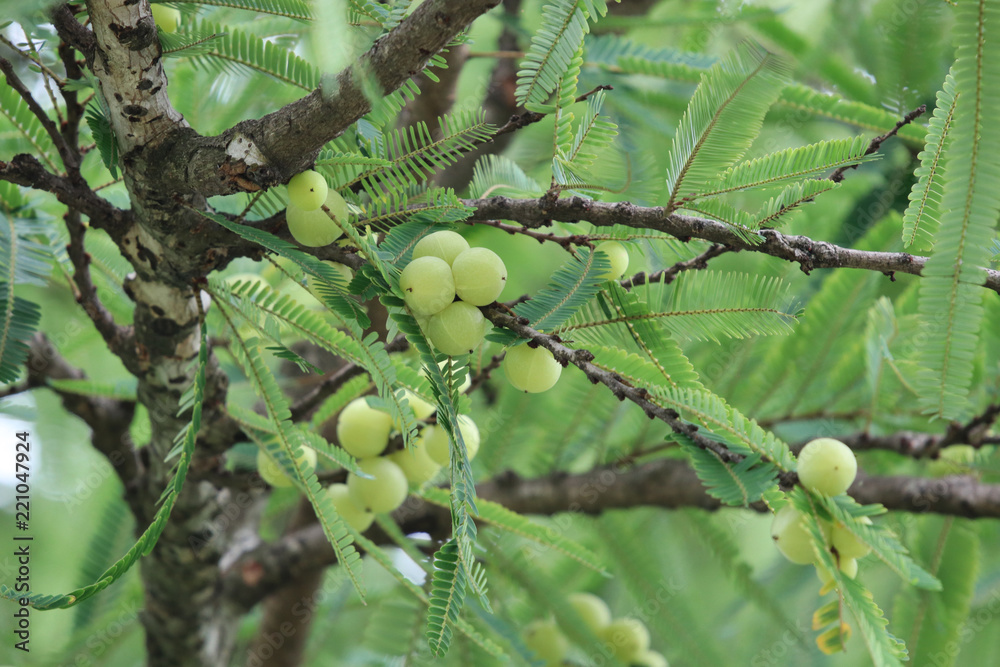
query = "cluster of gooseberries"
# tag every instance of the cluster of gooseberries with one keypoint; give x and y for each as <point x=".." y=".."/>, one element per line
<point x="308" y="223"/>
<point x="627" y="639"/>
<point x="445" y="267"/>
<point x="828" y="467"/>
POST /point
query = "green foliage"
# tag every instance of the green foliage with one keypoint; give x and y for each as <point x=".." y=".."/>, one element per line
<point x="922" y="217"/>
<point x="237" y="51"/>
<point x="18" y="115"/>
<point x="950" y="293"/>
<point x="553" y="47"/>
<point x="931" y="621"/>
<point x="501" y="517"/>
<point x="293" y="9"/>
<point x="723" y="118"/>
<point x="734" y="484"/>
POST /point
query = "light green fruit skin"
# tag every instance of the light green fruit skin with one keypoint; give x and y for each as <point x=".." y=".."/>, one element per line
<point x="438" y="445"/>
<point x="362" y="430"/>
<point x="627" y="637"/>
<point x="166" y="18"/>
<point x="618" y="256"/>
<point x="480" y="276"/>
<point x="546" y="640"/>
<point x="827" y="466"/>
<point x="307" y="190"/>
<point x="421" y="408"/>
<point x="274" y="474"/>
<point x="458" y="329"/>
<point x="446" y="245"/>
<point x="593" y="610"/>
<point x="354" y="516"/>
<point x="385" y="492"/>
<point x="846" y="544"/>
<point x="315" y="228"/>
<point x="791" y="537"/>
<point x="848" y="567"/>
<point x="531" y="369"/>
<point x="428" y="286"/>
<point x="417" y="464"/>
<point x="649" y="659"/>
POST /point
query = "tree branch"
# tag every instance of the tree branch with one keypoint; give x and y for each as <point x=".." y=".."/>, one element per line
<point x="108" y="419"/>
<point x="664" y="483"/>
<point x="808" y="253"/>
<point x="25" y="170"/>
<point x="120" y="339"/>
<point x="270" y="150"/>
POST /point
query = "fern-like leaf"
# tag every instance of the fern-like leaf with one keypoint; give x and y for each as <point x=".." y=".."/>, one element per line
<point x="505" y="519"/>
<point x="553" y="47"/>
<point x="574" y="284"/>
<point x="292" y="9"/>
<point x="237" y="51"/>
<point x="950" y="296"/>
<point x="922" y="216"/>
<point x="736" y="484"/>
<point x="498" y="174"/>
<point x="791" y="164"/>
<point x="723" y="118"/>
<point x="17" y="113"/>
<point x="19" y="320"/>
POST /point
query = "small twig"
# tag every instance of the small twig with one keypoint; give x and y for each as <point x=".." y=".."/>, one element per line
<point x="667" y="276"/>
<point x="519" y="121"/>
<point x="55" y="77"/>
<point x="116" y="336"/>
<point x="46" y="74"/>
<point x="496" y="54"/>
<point x="305" y="405"/>
<point x="621" y="389"/>
<point x="566" y="242"/>
<point x="484" y="373"/>
<point x="838" y="175"/>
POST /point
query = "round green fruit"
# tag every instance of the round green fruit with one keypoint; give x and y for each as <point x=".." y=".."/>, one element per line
<point x="416" y="464"/>
<point x="628" y="638"/>
<point x="827" y="466"/>
<point x="315" y="228"/>
<point x="421" y="408"/>
<point x="848" y="567"/>
<point x="546" y="640"/>
<point x="166" y="18"/>
<point x="385" y="492"/>
<point x="480" y="276"/>
<point x="444" y="245"/>
<point x="789" y="533"/>
<point x="307" y="190"/>
<point x="353" y="516"/>
<point x="428" y="286"/>
<point x="458" y="329"/>
<point x="618" y="256"/>
<point x="362" y="430"/>
<point x="438" y="444"/>
<point x="531" y="369"/>
<point x="593" y="610"/>
<point x="846" y="543"/>
<point x="274" y="474"/>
